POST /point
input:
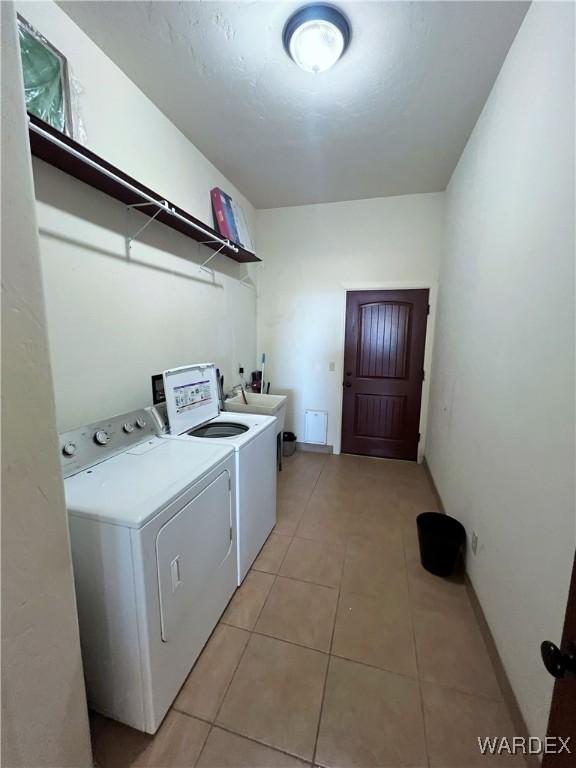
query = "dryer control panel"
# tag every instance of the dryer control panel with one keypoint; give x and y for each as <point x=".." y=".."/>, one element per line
<point x="84" y="447"/>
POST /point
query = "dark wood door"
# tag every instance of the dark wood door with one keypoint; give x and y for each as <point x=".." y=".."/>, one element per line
<point x="562" y="722"/>
<point x="383" y="372"/>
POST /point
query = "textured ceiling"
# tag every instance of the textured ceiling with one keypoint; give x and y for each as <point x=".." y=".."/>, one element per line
<point x="391" y="118"/>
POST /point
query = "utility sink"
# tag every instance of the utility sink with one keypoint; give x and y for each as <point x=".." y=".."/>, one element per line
<point x="266" y="405"/>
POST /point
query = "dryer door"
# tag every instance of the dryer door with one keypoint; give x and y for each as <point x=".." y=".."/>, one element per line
<point x="190" y="548"/>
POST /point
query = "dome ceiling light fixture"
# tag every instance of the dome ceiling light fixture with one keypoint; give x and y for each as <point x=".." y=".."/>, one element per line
<point x="316" y="36"/>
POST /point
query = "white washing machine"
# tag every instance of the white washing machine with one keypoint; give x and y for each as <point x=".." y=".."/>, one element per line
<point x="153" y="535"/>
<point x="192" y="413"/>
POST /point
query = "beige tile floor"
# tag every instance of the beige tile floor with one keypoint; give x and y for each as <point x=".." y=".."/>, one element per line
<point x="338" y="650"/>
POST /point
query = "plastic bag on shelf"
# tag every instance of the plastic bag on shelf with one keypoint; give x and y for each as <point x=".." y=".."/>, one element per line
<point x="43" y="78"/>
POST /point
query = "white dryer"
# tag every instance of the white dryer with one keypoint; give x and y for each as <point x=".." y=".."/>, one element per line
<point x="153" y="535"/>
<point x="192" y="413"/>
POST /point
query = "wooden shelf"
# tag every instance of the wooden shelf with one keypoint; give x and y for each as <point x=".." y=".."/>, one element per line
<point x="73" y="158"/>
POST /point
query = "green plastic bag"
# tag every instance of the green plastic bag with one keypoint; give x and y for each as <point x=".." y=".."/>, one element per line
<point x="43" y="79"/>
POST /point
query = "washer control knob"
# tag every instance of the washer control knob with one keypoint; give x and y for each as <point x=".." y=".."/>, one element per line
<point x="69" y="449"/>
<point x="128" y="428"/>
<point x="101" y="437"/>
<point x="140" y="423"/>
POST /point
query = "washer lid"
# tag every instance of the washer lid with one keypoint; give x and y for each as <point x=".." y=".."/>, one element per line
<point x="131" y="488"/>
<point x="191" y="396"/>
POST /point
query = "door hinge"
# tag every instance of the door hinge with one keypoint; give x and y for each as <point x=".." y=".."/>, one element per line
<point x="418" y="436"/>
<point x="428" y="309"/>
<point x="423" y="375"/>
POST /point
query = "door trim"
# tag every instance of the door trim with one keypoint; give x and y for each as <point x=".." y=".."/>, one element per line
<point x="392" y="285"/>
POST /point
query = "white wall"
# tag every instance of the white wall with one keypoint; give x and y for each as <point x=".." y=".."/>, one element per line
<point x="501" y="428"/>
<point x="114" y="320"/>
<point x="44" y="716"/>
<point x="312" y="255"/>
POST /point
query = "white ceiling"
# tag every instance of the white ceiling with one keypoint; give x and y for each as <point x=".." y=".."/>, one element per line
<point x="391" y="118"/>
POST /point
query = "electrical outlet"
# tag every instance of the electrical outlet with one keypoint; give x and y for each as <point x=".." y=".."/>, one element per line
<point x="474" y="542"/>
<point x="241" y="371"/>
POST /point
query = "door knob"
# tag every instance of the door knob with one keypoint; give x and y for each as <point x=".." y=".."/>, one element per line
<point x="559" y="664"/>
<point x="347" y="384"/>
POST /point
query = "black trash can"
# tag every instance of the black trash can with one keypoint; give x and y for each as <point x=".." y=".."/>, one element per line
<point x="288" y="443"/>
<point x="441" y="539"/>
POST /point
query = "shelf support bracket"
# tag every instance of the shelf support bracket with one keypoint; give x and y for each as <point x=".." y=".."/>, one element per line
<point x="209" y="259"/>
<point x="161" y="205"/>
<point x="243" y="281"/>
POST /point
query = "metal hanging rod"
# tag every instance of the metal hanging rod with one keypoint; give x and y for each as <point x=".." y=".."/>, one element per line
<point x="126" y="184"/>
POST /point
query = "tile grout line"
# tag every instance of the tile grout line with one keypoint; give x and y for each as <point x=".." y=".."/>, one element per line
<point x="331" y="655"/>
<point x="210" y="729"/>
<point x="340" y="592"/>
<point x="323" y="699"/>
<point x="194" y="717"/>
<point x="251" y="633"/>
<point x="330" y="652"/>
<point x="312" y="761"/>
<point x="307" y="502"/>
<point x="324" y="686"/>
<point x="230" y="730"/>
<point x="252" y="740"/>
<point x="315" y="485"/>
<point x="300" y="581"/>
<point x="291" y="537"/>
<point x="213" y="723"/>
<point x="276" y="575"/>
<point x="413" y="627"/>
<point x="415" y="678"/>
<point x="187" y="714"/>
<point x="354" y="661"/>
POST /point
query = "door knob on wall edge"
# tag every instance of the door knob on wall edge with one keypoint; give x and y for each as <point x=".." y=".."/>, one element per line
<point x="559" y="664"/>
